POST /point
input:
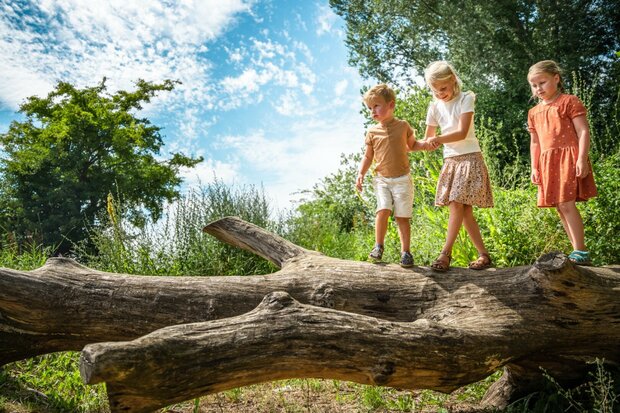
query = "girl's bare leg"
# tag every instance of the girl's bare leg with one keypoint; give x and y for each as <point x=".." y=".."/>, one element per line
<point x="454" y="225"/>
<point x="472" y="228"/>
<point x="573" y="224"/>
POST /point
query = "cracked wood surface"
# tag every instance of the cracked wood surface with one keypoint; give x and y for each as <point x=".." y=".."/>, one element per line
<point x="551" y="314"/>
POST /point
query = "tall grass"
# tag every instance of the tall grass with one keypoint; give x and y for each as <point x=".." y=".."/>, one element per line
<point x="176" y="245"/>
<point x="25" y="257"/>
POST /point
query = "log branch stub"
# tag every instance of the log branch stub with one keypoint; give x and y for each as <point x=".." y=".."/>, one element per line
<point x="238" y="233"/>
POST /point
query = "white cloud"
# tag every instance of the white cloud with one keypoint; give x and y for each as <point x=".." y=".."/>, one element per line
<point x="325" y="20"/>
<point x="288" y="104"/>
<point x="268" y="64"/>
<point x="208" y="170"/>
<point x="309" y="152"/>
<point x="249" y="81"/>
<point x="123" y="40"/>
<point x="341" y="87"/>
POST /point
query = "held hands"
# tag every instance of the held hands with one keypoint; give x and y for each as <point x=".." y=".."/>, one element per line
<point x="429" y="144"/>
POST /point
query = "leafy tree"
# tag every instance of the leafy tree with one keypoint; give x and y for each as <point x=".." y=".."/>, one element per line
<point x="492" y="44"/>
<point x="76" y="146"/>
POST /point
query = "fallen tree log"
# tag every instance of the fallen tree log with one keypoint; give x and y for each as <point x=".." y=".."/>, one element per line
<point x="551" y="315"/>
<point x="284" y="339"/>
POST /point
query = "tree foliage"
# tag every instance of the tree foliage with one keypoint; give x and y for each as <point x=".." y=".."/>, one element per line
<point x="76" y="146"/>
<point x="490" y="42"/>
<point x="492" y="45"/>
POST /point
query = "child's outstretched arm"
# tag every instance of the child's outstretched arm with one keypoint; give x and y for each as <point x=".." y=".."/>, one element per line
<point x="425" y="144"/>
<point x="535" y="157"/>
<point x="411" y="142"/>
<point x="583" y="134"/>
<point x="459" y="134"/>
<point x="430" y="131"/>
<point x="364" y="165"/>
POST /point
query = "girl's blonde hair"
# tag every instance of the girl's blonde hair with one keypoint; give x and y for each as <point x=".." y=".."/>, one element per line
<point x="441" y="70"/>
<point x="549" y="67"/>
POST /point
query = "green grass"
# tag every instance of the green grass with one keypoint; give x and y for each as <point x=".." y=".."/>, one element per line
<point x="50" y="383"/>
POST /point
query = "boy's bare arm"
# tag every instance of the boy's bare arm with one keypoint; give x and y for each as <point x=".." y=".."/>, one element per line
<point x="411" y="142"/>
<point x="425" y="145"/>
<point x="364" y="165"/>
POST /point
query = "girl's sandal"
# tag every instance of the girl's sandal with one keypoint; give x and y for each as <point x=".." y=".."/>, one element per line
<point x="482" y="262"/>
<point x="442" y="264"/>
<point x="580" y="257"/>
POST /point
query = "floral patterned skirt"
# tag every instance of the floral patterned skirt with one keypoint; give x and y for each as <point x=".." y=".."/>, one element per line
<point x="464" y="179"/>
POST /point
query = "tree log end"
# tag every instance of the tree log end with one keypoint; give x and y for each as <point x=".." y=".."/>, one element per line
<point x="552" y="261"/>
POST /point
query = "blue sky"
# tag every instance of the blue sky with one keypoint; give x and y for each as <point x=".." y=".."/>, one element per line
<point x="267" y="96"/>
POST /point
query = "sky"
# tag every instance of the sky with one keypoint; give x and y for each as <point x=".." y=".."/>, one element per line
<point x="267" y="96"/>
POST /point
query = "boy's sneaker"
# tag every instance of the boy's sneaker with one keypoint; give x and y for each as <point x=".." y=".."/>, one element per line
<point x="377" y="253"/>
<point x="406" y="259"/>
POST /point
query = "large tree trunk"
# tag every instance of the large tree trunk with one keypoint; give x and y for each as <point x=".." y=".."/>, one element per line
<point x="381" y="324"/>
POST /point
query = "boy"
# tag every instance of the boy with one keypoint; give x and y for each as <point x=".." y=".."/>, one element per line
<point x="387" y="143"/>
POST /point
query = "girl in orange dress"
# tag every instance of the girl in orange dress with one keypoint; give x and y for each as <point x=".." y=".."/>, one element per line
<point x="560" y="140"/>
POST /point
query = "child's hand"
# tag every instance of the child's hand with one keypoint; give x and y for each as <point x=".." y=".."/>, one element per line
<point x="428" y="145"/>
<point x="359" y="181"/>
<point x="433" y="143"/>
<point x="582" y="169"/>
<point x="535" y="177"/>
<point x="433" y="140"/>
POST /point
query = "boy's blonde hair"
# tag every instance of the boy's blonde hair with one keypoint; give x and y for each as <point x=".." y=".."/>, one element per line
<point x="549" y="67"/>
<point x="441" y="70"/>
<point x="382" y="90"/>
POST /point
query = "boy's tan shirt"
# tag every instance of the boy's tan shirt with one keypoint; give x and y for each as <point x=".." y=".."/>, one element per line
<point x="389" y="144"/>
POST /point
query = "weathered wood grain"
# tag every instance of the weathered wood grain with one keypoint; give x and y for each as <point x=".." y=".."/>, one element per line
<point x="433" y="330"/>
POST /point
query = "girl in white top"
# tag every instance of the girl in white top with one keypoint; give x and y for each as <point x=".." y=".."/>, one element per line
<point x="464" y="179"/>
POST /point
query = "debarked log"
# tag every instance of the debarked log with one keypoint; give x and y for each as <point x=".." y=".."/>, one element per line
<point x="63" y="305"/>
<point x="284" y="339"/>
<point x="551" y="315"/>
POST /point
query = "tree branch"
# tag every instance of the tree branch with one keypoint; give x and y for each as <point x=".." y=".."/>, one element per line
<point x="241" y="234"/>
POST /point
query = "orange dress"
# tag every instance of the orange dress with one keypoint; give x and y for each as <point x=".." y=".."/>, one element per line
<point x="559" y="149"/>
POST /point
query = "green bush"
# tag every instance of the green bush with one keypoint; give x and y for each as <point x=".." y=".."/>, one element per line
<point x="601" y="215"/>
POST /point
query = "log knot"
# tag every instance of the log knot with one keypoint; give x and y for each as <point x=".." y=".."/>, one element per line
<point x="277" y="300"/>
<point x="382" y="372"/>
<point x="63" y="264"/>
<point x="323" y="296"/>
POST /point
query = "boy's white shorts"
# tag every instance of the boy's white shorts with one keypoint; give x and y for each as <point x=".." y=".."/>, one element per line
<point x="394" y="193"/>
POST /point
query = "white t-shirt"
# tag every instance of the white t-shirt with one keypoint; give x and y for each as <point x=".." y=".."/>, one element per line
<point x="446" y="115"/>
